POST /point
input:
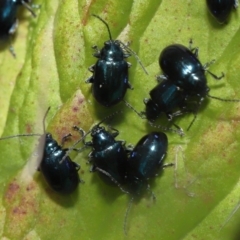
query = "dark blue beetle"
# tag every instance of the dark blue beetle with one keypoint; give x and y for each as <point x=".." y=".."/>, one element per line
<point x="184" y="86"/>
<point x="165" y="98"/>
<point x="8" y="17"/>
<point x="109" y="157"/>
<point x="128" y="168"/>
<point x="125" y="166"/>
<point x="60" y="172"/>
<point x="110" y="73"/>
<point x="221" y="9"/>
<point x="181" y="66"/>
<point x="145" y="161"/>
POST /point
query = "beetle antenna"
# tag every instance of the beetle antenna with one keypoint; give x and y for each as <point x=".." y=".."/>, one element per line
<point x="179" y="131"/>
<point x="190" y="125"/>
<point x="135" y="55"/>
<point x="11" y="49"/>
<point x="111" y="178"/>
<point x="22" y="135"/>
<point x="133" y="109"/>
<point x="109" y="116"/>
<point x="224" y="100"/>
<point x="30" y="134"/>
<point x="110" y="35"/>
<point x="44" y="119"/>
<point x="28" y="8"/>
<point x="126" y="215"/>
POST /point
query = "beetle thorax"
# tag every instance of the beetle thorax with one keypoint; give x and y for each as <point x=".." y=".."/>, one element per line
<point x="112" y="51"/>
<point x="50" y="144"/>
<point x="101" y="138"/>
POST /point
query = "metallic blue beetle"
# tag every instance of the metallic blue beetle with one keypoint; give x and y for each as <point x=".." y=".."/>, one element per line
<point x="184" y="84"/>
<point x="221" y="9"/>
<point x="60" y="172"/>
<point x="109" y="157"/>
<point x="145" y="161"/>
<point x="110" y="73"/>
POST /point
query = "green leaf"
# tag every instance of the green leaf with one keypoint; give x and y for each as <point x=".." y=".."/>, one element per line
<point x="194" y="199"/>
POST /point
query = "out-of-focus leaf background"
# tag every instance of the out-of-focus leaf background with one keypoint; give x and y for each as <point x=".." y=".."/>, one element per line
<point x="53" y="55"/>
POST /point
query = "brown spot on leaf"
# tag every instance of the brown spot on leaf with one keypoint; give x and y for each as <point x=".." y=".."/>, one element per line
<point x="12" y="190"/>
<point x="21" y="207"/>
<point x="28" y="128"/>
<point x="75" y="109"/>
<point x="80" y="100"/>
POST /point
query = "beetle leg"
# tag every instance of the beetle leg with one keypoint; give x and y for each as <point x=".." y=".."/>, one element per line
<point x="89" y="144"/>
<point x="122" y="142"/>
<point x="129" y="85"/>
<point x="167" y="165"/>
<point x="115" y="131"/>
<point x="11" y="31"/>
<point x="13" y="28"/>
<point x="91" y="68"/>
<point x="90" y="80"/>
<point x="129" y="148"/>
<point x="128" y="44"/>
<point x="215" y="76"/>
<point x="152" y="193"/>
<point x="81" y="132"/>
<point x="11" y="50"/>
<point x="77" y="166"/>
<point x="29" y="8"/>
<point x="193" y="50"/>
<point x="146" y="100"/>
<point x="65" y="138"/>
<point x="171" y="116"/>
<point x="126" y="55"/>
<point x="97" y="52"/>
<point x="95" y="48"/>
<point x="235" y="4"/>
<point x="92" y="168"/>
<point x="90" y="155"/>
<point x="160" y="78"/>
<point x="206" y="66"/>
